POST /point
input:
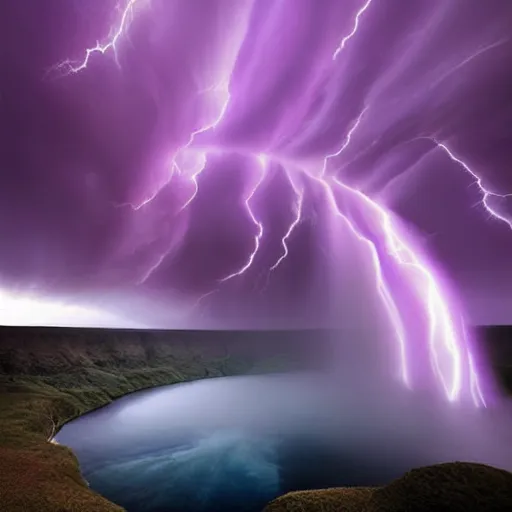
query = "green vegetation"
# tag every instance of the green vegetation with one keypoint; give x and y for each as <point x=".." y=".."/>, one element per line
<point x="44" y="384"/>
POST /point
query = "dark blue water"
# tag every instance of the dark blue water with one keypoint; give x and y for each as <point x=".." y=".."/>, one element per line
<point x="234" y="444"/>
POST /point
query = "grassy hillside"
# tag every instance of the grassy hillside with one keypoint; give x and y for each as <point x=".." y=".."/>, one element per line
<point x="449" y="487"/>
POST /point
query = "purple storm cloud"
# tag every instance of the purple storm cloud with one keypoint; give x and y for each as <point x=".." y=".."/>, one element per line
<point x="261" y="164"/>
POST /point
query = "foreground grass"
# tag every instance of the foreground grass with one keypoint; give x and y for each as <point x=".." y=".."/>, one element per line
<point x="449" y="487"/>
<point x="342" y="499"/>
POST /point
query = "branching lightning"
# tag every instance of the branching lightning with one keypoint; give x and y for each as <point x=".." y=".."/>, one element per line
<point x="194" y="178"/>
<point x="111" y="45"/>
<point x="152" y="268"/>
<point x="262" y="159"/>
<point x="224" y="88"/>
<point x="383" y="289"/>
<point x="441" y="323"/>
<point x="293" y="225"/>
<point x="345" y="145"/>
<point x="443" y="338"/>
<point x="486" y="194"/>
<point x="439" y="314"/>
<point x="474" y="380"/>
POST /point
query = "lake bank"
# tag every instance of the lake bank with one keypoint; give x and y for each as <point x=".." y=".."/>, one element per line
<point x="50" y="376"/>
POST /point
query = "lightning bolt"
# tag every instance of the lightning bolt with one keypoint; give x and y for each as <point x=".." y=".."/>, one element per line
<point x="346" y="143"/>
<point x="259" y="234"/>
<point x="476" y="391"/>
<point x="126" y="16"/>
<point x="204" y="296"/>
<point x="474" y="381"/>
<point x="152" y="268"/>
<point x="224" y="88"/>
<point x="348" y="37"/>
<point x="441" y="326"/>
<point x="486" y="194"/>
<point x="441" y="322"/>
<point x="293" y="225"/>
<point x="194" y="178"/>
<point x="335" y="55"/>
<point x="382" y="287"/>
<point x="135" y="207"/>
<point x="299" y="194"/>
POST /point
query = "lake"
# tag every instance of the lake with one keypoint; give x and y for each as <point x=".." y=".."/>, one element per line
<point x="235" y="443"/>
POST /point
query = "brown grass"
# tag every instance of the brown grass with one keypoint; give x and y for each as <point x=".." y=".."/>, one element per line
<point x="348" y="499"/>
<point x="450" y="487"/>
<point x="46" y="479"/>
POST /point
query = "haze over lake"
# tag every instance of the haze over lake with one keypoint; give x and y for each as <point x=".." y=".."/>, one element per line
<point x="235" y="443"/>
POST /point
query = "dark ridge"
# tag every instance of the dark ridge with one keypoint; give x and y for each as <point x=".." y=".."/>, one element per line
<point x="496" y="342"/>
<point x="29" y="349"/>
<point x="311" y="346"/>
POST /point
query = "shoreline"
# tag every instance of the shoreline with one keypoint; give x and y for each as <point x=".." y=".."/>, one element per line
<point x="138" y="390"/>
<point x="47" y="388"/>
<point x="34" y="451"/>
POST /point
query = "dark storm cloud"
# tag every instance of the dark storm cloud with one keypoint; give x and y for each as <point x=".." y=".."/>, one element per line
<point x="80" y="153"/>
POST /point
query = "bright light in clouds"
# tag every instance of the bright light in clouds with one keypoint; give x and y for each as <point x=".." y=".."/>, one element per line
<point x="30" y="310"/>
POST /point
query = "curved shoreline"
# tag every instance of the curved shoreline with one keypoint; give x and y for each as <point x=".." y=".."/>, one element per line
<point x="138" y="390"/>
<point x="39" y="475"/>
<point x="30" y="453"/>
<point x="28" y="458"/>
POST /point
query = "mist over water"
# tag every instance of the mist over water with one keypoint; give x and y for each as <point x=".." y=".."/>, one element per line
<point x="235" y="443"/>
